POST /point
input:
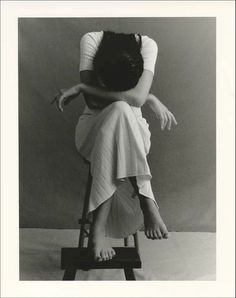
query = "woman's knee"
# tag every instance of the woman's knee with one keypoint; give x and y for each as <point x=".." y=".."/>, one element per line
<point x="120" y="107"/>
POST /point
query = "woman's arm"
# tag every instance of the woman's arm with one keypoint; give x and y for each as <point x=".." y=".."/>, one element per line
<point x="97" y="97"/>
<point x="65" y="96"/>
<point x="88" y="77"/>
<point x="134" y="97"/>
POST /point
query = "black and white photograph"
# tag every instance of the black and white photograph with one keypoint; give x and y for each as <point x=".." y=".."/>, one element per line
<point x="117" y="147"/>
<point x="136" y="109"/>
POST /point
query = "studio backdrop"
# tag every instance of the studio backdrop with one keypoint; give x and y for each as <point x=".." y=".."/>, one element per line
<point x="53" y="176"/>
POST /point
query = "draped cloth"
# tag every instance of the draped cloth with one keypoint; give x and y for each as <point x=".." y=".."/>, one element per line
<point x="116" y="141"/>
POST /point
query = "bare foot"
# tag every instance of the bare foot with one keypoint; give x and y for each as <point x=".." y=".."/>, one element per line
<point x="101" y="249"/>
<point x="154" y="226"/>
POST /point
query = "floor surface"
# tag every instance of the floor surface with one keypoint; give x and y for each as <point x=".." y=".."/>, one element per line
<point x="184" y="256"/>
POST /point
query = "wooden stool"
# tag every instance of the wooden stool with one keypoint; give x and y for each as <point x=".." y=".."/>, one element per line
<point x="73" y="258"/>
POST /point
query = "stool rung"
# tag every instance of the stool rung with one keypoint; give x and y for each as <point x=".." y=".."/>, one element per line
<point x="86" y="233"/>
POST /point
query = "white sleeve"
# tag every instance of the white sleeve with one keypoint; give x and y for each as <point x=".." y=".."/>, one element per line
<point x="88" y="47"/>
<point x="149" y="52"/>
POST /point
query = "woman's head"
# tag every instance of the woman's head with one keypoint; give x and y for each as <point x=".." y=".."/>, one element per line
<point x="118" y="62"/>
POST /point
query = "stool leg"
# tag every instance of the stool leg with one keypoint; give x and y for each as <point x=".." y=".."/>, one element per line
<point x="129" y="273"/>
<point x="136" y="242"/>
<point x="85" y="210"/>
<point x="126" y="241"/>
<point x="69" y="274"/>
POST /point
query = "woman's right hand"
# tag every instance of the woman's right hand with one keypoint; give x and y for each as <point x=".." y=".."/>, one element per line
<point x="65" y="96"/>
<point x="162" y="113"/>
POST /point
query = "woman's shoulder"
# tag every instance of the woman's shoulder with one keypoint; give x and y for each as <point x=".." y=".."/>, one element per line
<point x="149" y="42"/>
<point x="149" y="52"/>
<point x="94" y="37"/>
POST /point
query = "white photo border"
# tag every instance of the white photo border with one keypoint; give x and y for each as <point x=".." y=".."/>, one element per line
<point x="225" y="19"/>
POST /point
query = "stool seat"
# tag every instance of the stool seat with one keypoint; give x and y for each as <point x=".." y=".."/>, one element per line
<point x="81" y="258"/>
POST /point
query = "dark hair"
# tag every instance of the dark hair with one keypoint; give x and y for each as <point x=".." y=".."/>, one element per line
<point x="118" y="62"/>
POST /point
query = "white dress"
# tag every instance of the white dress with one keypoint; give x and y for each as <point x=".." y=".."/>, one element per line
<point x="116" y="141"/>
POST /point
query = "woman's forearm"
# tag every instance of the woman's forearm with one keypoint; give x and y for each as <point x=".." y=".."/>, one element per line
<point x="152" y="100"/>
<point x="136" y="96"/>
<point x="129" y="96"/>
<point x="110" y="96"/>
<point x="72" y="91"/>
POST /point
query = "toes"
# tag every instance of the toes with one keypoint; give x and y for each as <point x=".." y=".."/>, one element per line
<point x="113" y="253"/>
<point x="164" y="232"/>
<point x="106" y="256"/>
<point x="148" y="234"/>
<point x="152" y="234"/>
<point x="103" y="255"/>
<point x="98" y="257"/>
<point x="155" y="235"/>
<point x="165" y="235"/>
<point x="96" y="254"/>
<point x="159" y="234"/>
<point x="110" y="254"/>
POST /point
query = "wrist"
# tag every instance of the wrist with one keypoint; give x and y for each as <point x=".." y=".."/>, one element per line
<point x="151" y="99"/>
<point x="79" y="87"/>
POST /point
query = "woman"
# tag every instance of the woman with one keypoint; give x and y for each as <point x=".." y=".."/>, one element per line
<point x="116" y="72"/>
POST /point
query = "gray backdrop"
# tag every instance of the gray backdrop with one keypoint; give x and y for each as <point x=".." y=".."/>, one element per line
<point x="182" y="161"/>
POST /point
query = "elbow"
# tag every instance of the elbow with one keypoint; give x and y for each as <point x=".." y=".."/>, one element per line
<point x="138" y="101"/>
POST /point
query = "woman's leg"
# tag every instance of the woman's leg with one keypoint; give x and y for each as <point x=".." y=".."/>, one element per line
<point x="154" y="226"/>
<point x="97" y="241"/>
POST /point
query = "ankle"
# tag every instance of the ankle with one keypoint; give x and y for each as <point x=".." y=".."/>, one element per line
<point x="148" y="206"/>
<point x="98" y="226"/>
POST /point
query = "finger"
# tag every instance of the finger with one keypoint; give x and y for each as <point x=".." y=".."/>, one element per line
<point x="60" y="104"/>
<point x="59" y="109"/>
<point x="169" y="121"/>
<point x="162" y="123"/>
<point x="55" y="98"/>
<point x="173" y="118"/>
<point x="165" y="121"/>
<point x="60" y="93"/>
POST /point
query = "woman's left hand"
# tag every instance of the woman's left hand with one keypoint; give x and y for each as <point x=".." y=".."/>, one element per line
<point x="162" y="113"/>
<point x="65" y="96"/>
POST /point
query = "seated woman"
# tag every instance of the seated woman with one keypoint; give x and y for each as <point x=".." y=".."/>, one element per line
<point x="116" y="71"/>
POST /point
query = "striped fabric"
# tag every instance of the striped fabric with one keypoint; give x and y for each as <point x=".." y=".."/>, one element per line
<point x="115" y="141"/>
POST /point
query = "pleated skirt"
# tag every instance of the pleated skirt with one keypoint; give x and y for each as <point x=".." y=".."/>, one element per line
<point x="116" y="141"/>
